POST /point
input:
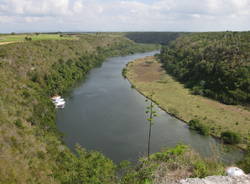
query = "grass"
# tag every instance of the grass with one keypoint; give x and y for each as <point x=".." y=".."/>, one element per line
<point x="170" y="94"/>
<point x="21" y="37"/>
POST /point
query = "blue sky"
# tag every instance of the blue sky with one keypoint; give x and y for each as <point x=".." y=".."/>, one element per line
<point x="124" y="15"/>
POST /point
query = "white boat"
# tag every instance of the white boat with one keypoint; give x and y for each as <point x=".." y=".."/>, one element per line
<point x="58" y="101"/>
<point x="60" y="104"/>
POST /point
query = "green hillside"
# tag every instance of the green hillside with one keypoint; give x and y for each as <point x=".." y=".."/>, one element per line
<point x="163" y="38"/>
<point x="216" y="65"/>
<point x="31" y="148"/>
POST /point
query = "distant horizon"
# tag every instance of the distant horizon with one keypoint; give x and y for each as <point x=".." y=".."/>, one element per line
<point x="56" y="32"/>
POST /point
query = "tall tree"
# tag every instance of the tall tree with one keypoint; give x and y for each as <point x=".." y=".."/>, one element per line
<point x="151" y="113"/>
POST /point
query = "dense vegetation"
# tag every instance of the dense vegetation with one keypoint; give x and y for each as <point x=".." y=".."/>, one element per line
<point x="170" y="165"/>
<point x="229" y="137"/>
<point x="31" y="148"/>
<point x="195" y="124"/>
<point x="216" y="65"/>
<point x="163" y="38"/>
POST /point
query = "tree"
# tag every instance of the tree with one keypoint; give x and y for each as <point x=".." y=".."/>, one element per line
<point x="28" y="38"/>
<point x="151" y="113"/>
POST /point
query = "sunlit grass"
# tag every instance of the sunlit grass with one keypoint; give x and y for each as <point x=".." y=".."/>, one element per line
<point x="173" y="97"/>
<point x="21" y="37"/>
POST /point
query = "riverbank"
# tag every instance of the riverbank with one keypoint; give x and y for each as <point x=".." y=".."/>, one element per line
<point x="147" y="76"/>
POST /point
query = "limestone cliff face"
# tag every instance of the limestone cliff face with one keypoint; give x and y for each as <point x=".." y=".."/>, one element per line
<point x="244" y="179"/>
<point x="234" y="176"/>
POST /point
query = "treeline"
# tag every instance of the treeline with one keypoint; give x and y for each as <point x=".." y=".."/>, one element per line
<point x="162" y="38"/>
<point x="216" y="65"/>
<point x="30" y="73"/>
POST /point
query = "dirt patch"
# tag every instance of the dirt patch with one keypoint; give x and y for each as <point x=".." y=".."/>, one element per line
<point x="4" y="43"/>
<point x="147" y="70"/>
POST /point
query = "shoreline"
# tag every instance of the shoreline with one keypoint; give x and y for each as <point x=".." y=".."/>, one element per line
<point x="241" y="147"/>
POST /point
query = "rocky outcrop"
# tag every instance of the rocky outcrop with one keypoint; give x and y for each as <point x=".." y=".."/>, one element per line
<point x="234" y="176"/>
<point x="245" y="179"/>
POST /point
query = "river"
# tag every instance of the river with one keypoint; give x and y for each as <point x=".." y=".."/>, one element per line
<point x="104" y="113"/>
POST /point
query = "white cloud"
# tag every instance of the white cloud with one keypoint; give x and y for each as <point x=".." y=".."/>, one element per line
<point x="124" y="15"/>
<point x="5" y="19"/>
<point x="34" y="7"/>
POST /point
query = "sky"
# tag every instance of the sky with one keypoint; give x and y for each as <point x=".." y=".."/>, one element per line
<point x="124" y="15"/>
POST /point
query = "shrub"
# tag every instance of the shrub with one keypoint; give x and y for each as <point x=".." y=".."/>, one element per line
<point x="34" y="76"/>
<point x="169" y="153"/>
<point x="174" y="164"/>
<point x="245" y="162"/>
<point x="229" y="137"/>
<point x="18" y="123"/>
<point x="86" y="167"/>
<point x="28" y="38"/>
<point x="200" y="128"/>
<point x="124" y="72"/>
<point x="197" y="90"/>
<point x="206" y="167"/>
<point x="26" y="94"/>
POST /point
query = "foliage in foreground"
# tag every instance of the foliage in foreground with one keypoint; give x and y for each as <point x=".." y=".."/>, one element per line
<point x="85" y="167"/>
<point x="170" y="165"/>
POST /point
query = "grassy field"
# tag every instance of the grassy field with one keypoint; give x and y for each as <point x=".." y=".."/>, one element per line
<point x="147" y="76"/>
<point x="7" y="38"/>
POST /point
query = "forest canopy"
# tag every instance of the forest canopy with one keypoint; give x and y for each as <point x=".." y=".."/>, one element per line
<point x="163" y="38"/>
<point x="215" y="65"/>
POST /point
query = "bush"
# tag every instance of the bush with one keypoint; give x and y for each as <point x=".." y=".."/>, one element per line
<point x="197" y="90"/>
<point x="28" y="38"/>
<point x="245" y="162"/>
<point x="18" y="123"/>
<point x="171" y="163"/>
<point x="229" y="137"/>
<point x="200" y="128"/>
<point x="88" y="167"/>
<point x="206" y="167"/>
<point x="124" y="72"/>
